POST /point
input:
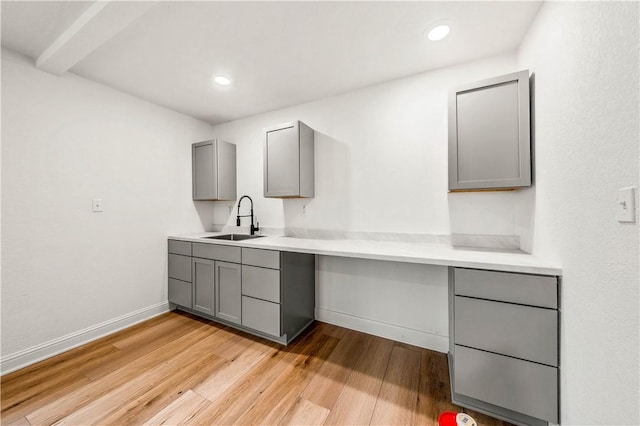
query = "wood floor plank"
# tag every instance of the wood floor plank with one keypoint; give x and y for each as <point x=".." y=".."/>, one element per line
<point x="281" y="395"/>
<point x="152" y="338"/>
<point x="179" y="369"/>
<point x="305" y="413"/>
<point x="331" y="330"/>
<point x="40" y="371"/>
<point x="434" y="394"/>
<point x="22" y="421"/>
<point x="356" y="402"/>
<point x="325" y="386"/>
<point x="68" y="404"/>
<point x="28" y="405"/>
<point x="51" y="370"/>
<point x="136" y="409"/>
<point x="112" y="407"/>
<point x="40" y="390"/>
<point x="399" y="391"/>
<point x="240" y="397"/>
<point x="233" y="344"/>
<point x="151" y="333"/>
<point x="179" y="411"/>
<point x="217" y="383"/>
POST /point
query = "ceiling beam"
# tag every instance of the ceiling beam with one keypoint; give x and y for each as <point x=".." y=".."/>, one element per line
<point x="98" y="24"/>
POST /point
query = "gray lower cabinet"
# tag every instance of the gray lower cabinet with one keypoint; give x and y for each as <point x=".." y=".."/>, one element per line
<point x="265" y="292"/>
<point x="228" y="291"/>
<point x="204" y="285"/>
<point x="504" y="349"/>
<point x="278" y="292"/>
<point x="179" y="271"/>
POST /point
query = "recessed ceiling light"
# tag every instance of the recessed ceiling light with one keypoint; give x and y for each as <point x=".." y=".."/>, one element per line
<point x="438" y="32"/>
<point x="222" y="80"/>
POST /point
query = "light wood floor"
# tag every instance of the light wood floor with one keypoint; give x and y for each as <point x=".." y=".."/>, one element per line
<point x="178" y="369"/>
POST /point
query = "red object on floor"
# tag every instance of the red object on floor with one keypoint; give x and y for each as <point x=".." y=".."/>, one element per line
<point x="447" y="418"/>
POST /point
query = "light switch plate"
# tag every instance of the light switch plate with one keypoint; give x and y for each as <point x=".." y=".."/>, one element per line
<point x="97" y="205"/>
<point x="625" y="205"/>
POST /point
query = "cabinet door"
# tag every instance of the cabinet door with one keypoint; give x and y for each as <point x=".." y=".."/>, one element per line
<point x="203" y="285"/>
<point x="180" y="292"/>
<point x="226" y="167"/>
<point x="228" y="291"/>
<point x="489" y="142"/>
<point x="205" y="175"/>
<point x="282" y="162"/>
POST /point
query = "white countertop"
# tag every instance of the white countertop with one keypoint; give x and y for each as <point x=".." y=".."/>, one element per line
<point x="410" y="252"/>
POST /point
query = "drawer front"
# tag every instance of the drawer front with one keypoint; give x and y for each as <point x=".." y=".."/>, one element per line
<point x="261" y="315"/>
<point x="261" y="283"/>
<point x="511" y="383"/>
<point x="258" y="257"/>
<point x="180" y="292"/>
<point x="180" y="267"/>
<point x="217" y="252"/>
<point x="180" y="247"/>
<point x="515" y="330"/>
<point x="535" y="290"/>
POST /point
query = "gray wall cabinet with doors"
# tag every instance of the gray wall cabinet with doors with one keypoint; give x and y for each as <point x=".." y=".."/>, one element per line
<point x="289" y="161"/>
<point x="213" y="170"/>
<point x="489" y="134"/>
<point x="504" y="352"/>
<point x="268" y="293"/>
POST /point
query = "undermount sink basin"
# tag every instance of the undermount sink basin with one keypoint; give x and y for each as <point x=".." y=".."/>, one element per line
<point x="234" y="237"/>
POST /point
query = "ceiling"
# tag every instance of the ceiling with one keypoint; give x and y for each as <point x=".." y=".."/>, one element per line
<point x="277" y="53"/>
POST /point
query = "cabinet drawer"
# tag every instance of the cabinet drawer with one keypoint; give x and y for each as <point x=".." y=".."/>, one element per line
<point x="180" y="247"/>
<point x="180" y="267"/>
<point x="258" y="257"/>
<point x="261" y="283"/>
<point x="517" y="385"/>
<point x="535" y="290"/>
<point x="261" y="315"/>
<point x="180" y="292"/>
<point x="217" y="252"/>
<point x="515" y="330"/>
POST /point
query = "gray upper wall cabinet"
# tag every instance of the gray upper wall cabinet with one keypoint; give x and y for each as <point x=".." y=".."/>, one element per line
<point x="489" y="135"/>
<point x="289" y="161"/>
<point x="214" y="170"/>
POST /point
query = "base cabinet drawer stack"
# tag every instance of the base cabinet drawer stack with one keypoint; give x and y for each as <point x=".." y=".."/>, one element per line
<point x="264" y="292"/>
<point x="504" y="346"/>
<point x="180" y="291"/>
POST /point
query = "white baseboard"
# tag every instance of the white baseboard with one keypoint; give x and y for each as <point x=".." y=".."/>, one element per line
<point x="398" y="333"/>
<point x="53" y="347"/>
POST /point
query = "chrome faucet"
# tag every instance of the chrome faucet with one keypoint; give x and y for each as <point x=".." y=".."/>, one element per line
<point x="253" y="229"/>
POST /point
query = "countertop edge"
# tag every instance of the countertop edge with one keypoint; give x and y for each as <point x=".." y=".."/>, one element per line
<point x="432" y="254"/>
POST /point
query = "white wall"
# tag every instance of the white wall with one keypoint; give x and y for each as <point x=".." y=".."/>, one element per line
<point x="584" y="58"/>
<point x="380" y="166"/>
<point x="66" y="140"/>
<point x="381" y="161"/>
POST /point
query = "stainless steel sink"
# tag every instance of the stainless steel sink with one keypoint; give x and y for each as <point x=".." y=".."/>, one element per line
<point x="234" y="237"/>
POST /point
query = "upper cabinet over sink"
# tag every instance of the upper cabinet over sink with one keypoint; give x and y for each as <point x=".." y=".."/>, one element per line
<point x="489" y="140"/>
<point x="289" y="161"/>
<point x="214" y="170"/>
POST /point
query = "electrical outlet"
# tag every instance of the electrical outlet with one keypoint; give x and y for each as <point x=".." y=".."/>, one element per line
<point x="304" y="210"/>
<point x="97" y="205"/>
